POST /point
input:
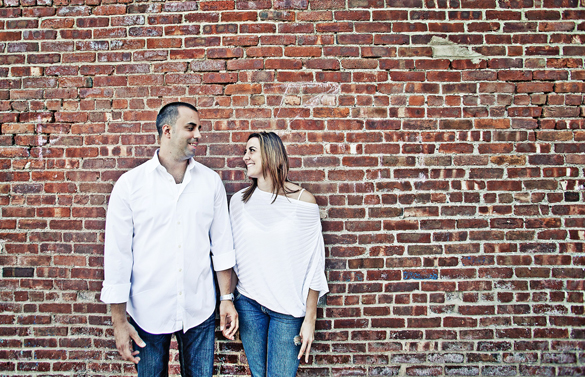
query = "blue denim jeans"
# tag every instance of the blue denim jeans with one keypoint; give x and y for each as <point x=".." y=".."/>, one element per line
<point x="195" y="351"/>
<point x="268" y="339"/>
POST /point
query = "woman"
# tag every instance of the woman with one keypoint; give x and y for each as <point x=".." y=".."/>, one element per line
<point x="280" y="261"/>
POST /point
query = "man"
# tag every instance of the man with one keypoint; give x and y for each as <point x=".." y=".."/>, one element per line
<point x="164" y="219"/>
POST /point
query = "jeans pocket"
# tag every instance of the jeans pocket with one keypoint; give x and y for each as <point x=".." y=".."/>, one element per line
<point x="237" y="295"/>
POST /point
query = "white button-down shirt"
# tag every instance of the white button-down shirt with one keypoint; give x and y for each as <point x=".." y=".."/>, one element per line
<point x="161" y="239"/>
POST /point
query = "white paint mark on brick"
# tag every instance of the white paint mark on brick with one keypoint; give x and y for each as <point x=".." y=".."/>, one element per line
<point x="2" y="248"/>
<point x="36" y="71"/>
<point x="86" y="296"/>
<point x="353" y="148"/>
<point x="522" y="197"/>
<point x="40" y="139"/>
<point x="445" y="49"/>
<point x="292" y="100"/>
<point x="327" y="98"/>
<point x="504" y="286"/>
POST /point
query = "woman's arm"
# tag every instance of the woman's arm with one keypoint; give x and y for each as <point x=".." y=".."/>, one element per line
<point x="308" y="328"/>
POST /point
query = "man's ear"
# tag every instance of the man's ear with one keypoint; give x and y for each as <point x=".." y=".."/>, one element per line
<point x="166" y="131"/>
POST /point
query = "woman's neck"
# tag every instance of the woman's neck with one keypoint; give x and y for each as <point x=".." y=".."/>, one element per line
<point x="264" y="184"/>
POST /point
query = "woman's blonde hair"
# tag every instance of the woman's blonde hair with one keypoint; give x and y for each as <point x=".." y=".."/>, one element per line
<point x="274" y="164"/>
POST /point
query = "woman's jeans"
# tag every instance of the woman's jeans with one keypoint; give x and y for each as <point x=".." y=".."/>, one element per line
<point x="268" y="339"/>
<point x="195" y="351"/>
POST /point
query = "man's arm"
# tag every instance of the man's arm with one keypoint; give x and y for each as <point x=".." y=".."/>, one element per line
<point x="123" y="331"/>
<point x="224" y="258"/>
<point x="228" y="316"/>
<point x="118" y="269"/>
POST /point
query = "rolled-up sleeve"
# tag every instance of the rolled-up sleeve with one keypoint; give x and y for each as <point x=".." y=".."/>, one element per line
<point x="118" y="246"/>
<point x="220" y="232"/>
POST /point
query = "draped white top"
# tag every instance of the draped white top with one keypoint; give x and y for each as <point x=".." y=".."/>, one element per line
<point x="279" y="251"/>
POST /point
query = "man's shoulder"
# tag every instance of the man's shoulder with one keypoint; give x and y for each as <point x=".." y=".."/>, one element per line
<point x="135" y="177"/>
<point x="205" y="171"/>
<point x="143" y="168"/>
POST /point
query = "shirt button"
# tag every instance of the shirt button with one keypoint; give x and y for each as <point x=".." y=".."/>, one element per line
<point x="180" y="270"/>
<point x="180" y="293"/>
<point x="179" y="246"/>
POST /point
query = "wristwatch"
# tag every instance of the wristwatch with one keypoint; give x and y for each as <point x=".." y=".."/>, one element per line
<point x="228" y="297"/>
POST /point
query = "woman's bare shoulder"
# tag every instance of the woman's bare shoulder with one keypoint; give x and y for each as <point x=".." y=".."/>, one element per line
<point x="306" y="196"/>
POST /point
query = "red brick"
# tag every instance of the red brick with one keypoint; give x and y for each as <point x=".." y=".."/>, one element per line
<point x="264" y="51"/>
<point x="341" y="51"/>
<point x="58" y="23"/>
<point x="302" y="51"/>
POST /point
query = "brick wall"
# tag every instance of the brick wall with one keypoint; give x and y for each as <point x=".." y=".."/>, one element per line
<point x="443" y="139"/>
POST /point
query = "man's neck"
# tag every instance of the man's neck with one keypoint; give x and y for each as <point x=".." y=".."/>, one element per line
<point x="174" y="167"/>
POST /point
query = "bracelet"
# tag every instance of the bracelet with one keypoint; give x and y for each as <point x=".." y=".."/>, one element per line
<point x="228" y="297"/>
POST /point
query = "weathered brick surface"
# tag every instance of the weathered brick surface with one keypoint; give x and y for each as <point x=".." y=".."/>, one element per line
<point x="451" y="186"/>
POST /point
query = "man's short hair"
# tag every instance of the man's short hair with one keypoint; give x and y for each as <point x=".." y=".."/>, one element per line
<point x="169" y="114"/>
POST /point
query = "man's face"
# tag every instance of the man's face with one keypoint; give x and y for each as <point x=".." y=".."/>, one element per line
<point x="185" y="134"/>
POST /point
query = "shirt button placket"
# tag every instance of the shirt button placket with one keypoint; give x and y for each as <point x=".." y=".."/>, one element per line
<point x="180" y="259"/>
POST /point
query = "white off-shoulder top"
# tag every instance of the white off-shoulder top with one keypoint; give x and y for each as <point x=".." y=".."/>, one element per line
<point x="280" y="252"/>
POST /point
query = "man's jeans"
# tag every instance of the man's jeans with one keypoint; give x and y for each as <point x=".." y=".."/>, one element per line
<point x="268" y="339"/>
<point x="195" y="351"/>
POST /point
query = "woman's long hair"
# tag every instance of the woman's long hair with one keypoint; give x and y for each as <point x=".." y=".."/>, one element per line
<point x="274" y="164"/>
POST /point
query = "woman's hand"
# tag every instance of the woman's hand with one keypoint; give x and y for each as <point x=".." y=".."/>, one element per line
<point x="307" y="336"/>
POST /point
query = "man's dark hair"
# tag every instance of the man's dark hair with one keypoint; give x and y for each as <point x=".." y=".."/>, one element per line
<point x="169" y="114"/>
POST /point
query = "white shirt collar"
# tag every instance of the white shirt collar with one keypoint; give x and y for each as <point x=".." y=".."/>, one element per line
<point x="154" y="163"/>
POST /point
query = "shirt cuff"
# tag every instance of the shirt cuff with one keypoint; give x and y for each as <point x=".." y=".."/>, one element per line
<point x="115" y="294"/>
<point x="224" y="261"/>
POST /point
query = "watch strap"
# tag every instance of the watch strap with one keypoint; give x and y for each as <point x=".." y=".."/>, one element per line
<point x="228" y="297"/>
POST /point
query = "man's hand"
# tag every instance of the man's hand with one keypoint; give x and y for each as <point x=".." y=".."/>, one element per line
<point x="307" y="336"/>
<point x="228" y="319"/>
<point x="123" y="332"/>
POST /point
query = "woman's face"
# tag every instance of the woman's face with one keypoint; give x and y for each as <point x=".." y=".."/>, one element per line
<point x="253" y="158"/>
